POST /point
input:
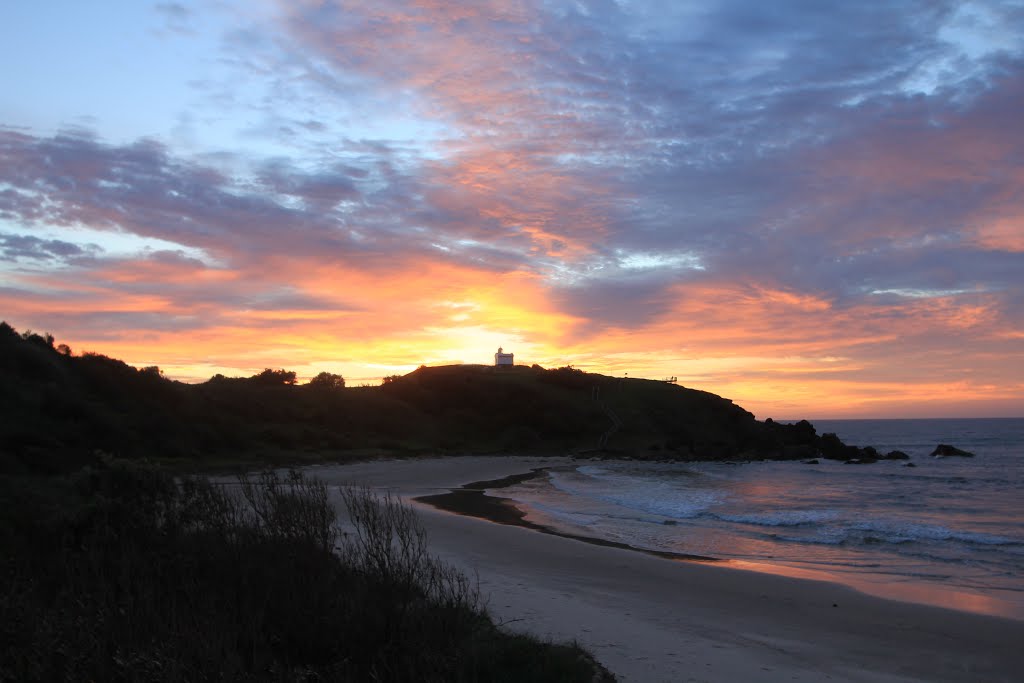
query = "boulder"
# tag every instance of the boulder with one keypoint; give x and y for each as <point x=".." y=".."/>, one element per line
<point x="896" y="455"/>
<point x="946" y="450"/>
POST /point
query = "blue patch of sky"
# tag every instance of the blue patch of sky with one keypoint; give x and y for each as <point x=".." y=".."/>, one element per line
<point x="110" y="67"/>
<point x="126" y="70"/>
<point x="920" y="293"/>
<point x="971" y="36"/>
<point x="112" y="243"/>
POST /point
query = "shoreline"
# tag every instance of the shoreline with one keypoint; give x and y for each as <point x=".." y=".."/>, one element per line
<point x="648" y="619"/>
<point x="472" y="500"/>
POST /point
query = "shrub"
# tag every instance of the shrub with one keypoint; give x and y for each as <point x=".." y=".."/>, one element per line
<point x="124" y="573"/>
<point x="272" y="378"/>
<point x="293" y="509"/>
<point x="327" y="380"/>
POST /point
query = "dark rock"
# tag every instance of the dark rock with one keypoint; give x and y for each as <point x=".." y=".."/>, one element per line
<point x="896" y="455"/>
<point x="798" y="451"/>
<point x="910" y="464"/>
<point x="805" y="432"/>
<point x="812" y="461"/>
<point x="945" y="450"/>
<point x="834" y="449"/>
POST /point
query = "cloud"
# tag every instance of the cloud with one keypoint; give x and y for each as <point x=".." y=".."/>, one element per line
<point x="726" y="181"/>
<point x="142" y="189"/>
<point x="177" y="17"/>
<point x="17" y="247"/>
<point x="575" y="129"/>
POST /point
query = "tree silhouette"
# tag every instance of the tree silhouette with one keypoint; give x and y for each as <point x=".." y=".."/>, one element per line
<point x="327" y="380"/>
<point x="274" y="377"/>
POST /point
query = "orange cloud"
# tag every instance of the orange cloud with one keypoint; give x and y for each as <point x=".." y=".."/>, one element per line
<point x="1005" y="234"/>
<point x="784" y="354"/>
<point x="773" y="350"/>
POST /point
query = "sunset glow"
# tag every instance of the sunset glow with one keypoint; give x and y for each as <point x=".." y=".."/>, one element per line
<point x="815" y="212"/>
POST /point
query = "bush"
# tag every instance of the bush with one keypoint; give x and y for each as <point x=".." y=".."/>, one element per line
<point x="327" y="381"/>
<point x="295" y="509"/>
<point x="123" y="573"/>
<point x="273" y="378"/>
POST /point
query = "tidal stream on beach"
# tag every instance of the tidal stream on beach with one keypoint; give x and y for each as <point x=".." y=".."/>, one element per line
<point x="948" y="531"/>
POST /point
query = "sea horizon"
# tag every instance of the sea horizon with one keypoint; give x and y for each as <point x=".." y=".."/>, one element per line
<point x="815" y="420"/>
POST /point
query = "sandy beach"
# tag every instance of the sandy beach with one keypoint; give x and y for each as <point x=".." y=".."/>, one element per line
<point x="649" y="618"/>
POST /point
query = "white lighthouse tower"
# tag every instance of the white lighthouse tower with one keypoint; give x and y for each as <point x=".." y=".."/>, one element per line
<point x="502" y="359"/>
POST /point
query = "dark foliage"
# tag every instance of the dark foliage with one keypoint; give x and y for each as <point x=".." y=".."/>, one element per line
<point x="61" y="409"/>
<point x="274" y="377"/>
<point x="121" y="573"/>
<point x="327" y="380"/>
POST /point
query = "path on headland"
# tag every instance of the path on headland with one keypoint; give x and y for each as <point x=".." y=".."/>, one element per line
<point x="595" y="396"/>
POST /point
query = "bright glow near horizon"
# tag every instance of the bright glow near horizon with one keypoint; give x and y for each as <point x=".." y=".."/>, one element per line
<point x="813" y="212"/>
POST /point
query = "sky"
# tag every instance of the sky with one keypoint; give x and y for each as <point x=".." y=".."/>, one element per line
<point x="814" y="209"/>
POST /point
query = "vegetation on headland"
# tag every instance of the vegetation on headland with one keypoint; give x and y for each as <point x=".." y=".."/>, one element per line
<point x="122" y="572"/>
<point x="61" y="409"/>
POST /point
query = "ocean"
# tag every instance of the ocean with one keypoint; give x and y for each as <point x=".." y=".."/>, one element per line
<point x="947" y="532"/>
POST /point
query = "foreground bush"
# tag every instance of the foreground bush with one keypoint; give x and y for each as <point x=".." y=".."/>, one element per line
<point x="122" y="573"/>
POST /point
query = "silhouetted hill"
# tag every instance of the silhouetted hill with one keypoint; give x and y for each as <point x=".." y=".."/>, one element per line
<point x="60" y="410"/>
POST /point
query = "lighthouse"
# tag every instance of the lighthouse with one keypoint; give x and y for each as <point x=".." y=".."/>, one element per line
<point x="501" y="358"/>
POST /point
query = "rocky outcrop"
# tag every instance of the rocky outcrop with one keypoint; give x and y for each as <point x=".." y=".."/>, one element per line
<point x="832" y="448"/>
<point x="945" y="450"/>
<point x="896" y="455"/>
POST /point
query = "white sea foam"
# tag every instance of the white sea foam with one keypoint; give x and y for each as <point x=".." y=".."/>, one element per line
<point x="781" y="517"/>
<point x="644" y="494"/>
<point x="900" y="531"/>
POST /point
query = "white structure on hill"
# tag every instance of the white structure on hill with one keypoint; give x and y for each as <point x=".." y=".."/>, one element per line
<point x="501" y="358"/>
